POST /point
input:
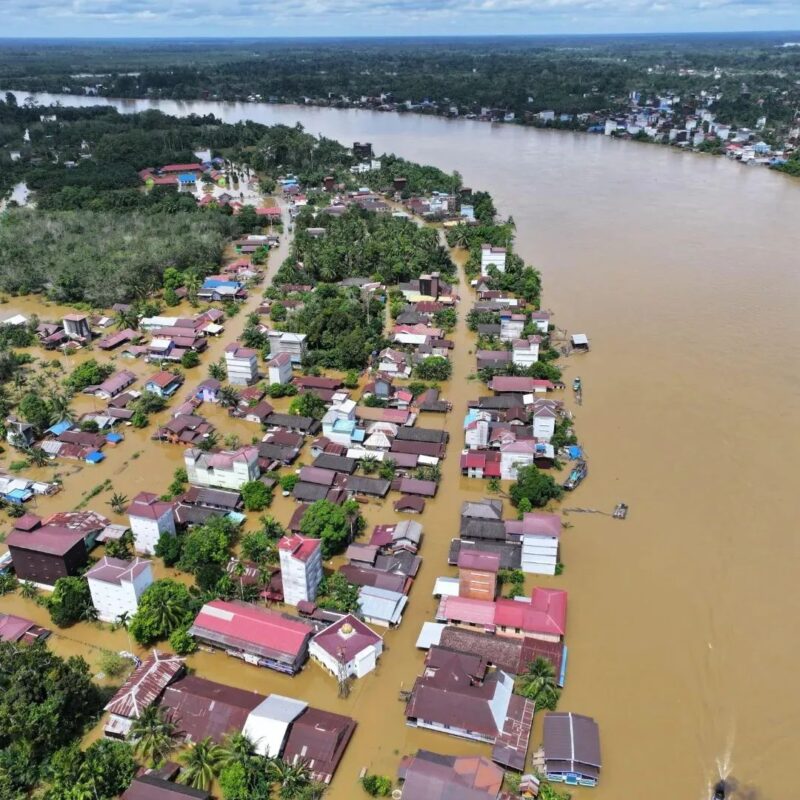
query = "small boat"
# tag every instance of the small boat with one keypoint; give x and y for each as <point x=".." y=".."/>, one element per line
<point x="576" y="385"/>
<point x="720" y="791"/>
<point x="576" y="475"/>
<point x="620" y="511"/>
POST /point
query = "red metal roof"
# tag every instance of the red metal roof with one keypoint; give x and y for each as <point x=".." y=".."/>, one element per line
<point x="145" y="685"/>
<point x="545" y="613"/>
<point x="301" y="547"/>
<point x="148" y="506"/>
<point x="182" y="168"/>
<point x="467" y="610"/>
<point x="477" y="560"/>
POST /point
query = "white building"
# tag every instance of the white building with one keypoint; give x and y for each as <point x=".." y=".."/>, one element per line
<point x="540" y="541"/>
<point x="525" y="352"/>
<point x="267" y="725"/>
<point x="228" y="469"/>
<point x="279" y="369"/>
<point x="514" y="456"/>
<point x="241" y="364"/>
<point x="76" y="326"/>
<point x="511" y="326"/>
<point x="292" y="343"/>
<point x="149" y="518"/>
<point x="348" y="648"/>
<point x="301" y="568"/>
<point x="544" y="421"/>
<point x="492" y="257"/>
<point x="117" y="585"/>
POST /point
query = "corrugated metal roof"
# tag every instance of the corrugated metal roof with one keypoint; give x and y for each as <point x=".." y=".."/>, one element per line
<point x="145" y="685"/>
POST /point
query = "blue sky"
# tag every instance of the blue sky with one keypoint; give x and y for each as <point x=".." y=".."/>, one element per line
<point x="149" y="18"/>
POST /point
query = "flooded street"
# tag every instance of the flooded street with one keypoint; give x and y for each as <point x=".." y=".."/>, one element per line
<point x="683" y="271"/>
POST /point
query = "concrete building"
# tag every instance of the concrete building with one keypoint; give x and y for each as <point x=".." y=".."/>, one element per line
<point x="347" y="648"/>
<point x="117" y="585"/>
<point x="477" y="574"/>
<point x="292" y="343"/>
<point x="525" y="352"/>
<point x="279" y="369"/>
<point x="228" y="469"/>
<point x="76" y="326"/>
<point x="540" y="541"/>
<point x="492" y="257"/>
<point x="149" y="518"/>
<point x="301" y="568"/>
<point x="241" y="364"/>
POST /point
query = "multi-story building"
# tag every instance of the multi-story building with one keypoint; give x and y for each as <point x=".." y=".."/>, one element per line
<point x="492" y="257"/>
<point x="228" y="469"/>
<point x="149" y="518"/>
<point x="241" y="364"/>
<point x="292" y="343"/>
<point x="116" y="586"/>
<point x="301" y="568"/>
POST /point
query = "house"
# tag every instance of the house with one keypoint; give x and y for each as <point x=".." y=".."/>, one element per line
<point x="399" y="536"/>
<point x="477" y="574"/>
<point x="480" y="464"/>
<point x="76" y="326"/>
<point x="381" y="606"/>
<point x="515" y="456"/>
<point x="227" y="469"/>
<point x="580" y="341"/>
<point x="409" y="505"/>
<point x="301" y="567"/>
<point x="543" y="616"/>
<point x="208" y="391"/>
<point x="418" y="487"/>
<point x="116" y="586"/>
<point x="393" y="363"/>
<point x="493" y="359"/>
<point x="241" y="364"/>
<point x="46" y="553"/>
<point x="268" y="724"/>
<point x="318" y="739"/>
<point x="184" y="429"/>
<point x="511" y="326"/>
<point x="544" y="421"/>
<point x="506" y="384"/>
<point x="348" y="648"/>
<point x="279" y="369"/>
<point x="431" y="776"/>
<point x="571" y="749"/>
<point x="19" y="630"/>
<point x="293" y="422"/>
<point x="163" y="384"/>
<point x="457" y="695"/>
<point x="152" y="787"/>
<point x="217" y="288"/>
<point x="541" y="319"/>
<point x="254" y="634"/>
<point x="492" y="257"/>
<point x="149" y="518"/>
<point x="19" y="434"/>
<point x="525" y="352"/>
<point x="115" y="384"/>
<point x="540" y="534"/>
<point x="476" y="429"/>
<point x="141" y="690"/>
<point x="292" y="343"/>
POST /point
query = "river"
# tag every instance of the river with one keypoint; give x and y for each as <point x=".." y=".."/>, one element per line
<point x="683" y="270"/>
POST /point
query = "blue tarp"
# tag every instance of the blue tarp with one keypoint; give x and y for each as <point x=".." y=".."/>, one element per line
<point x="114" y="437"/>
<point x="95" y="457"/>
<point x="574" y="451"/>
<point x="59" y="428"/>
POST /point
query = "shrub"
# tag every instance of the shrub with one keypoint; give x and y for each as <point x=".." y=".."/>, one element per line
<point x="377" y="785"/>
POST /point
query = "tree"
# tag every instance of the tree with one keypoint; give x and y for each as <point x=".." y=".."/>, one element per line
<point x="113" y="664"/>
<point x="524" y="507"/>
<point x="539" y="684"/>
<point x="28" y="590"/>
<point x="434" y="368"/>
<point x="37" y="456"/>
<point x="8" y="583"/>
<point x="291" y="779"/>
<point x="122" y="548"/>
<point x="308" y="405"/>
<point x="535" y="486"/>
<point x="33" y="409"/>
<point x="169" y="547"/>
<point x="228" y="397"/>
<point x="259" y="547"/>
<point x="377" y="785"/>
<point x="350" y="380"/>
<point x="182" y="642"/>
<point x="368" y="464"/>
<point x="154" y="734"/>
<point x="335" y="525"/>
<point x="256" y="496"/>
<point x="207" y="544"/>
<point x="70" y="602"/>
<point x="336" y="593"/>
<point x="118" y="502"/>
<point x="190" y="359"/>
<point x="201" y="764"/>
<point x="89" y="373"/>
<point x="288" y="482"/>
<point x="45" y="703"/>
<point x="164" y="606"/>
<point x="216" y="370"/>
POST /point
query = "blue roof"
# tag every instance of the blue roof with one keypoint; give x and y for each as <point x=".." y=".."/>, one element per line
<point x="114" y="437"/>
<point x="18" y="495"/>
<point x="214" y="283"/>
<point x="344" y="426"/>
<point x="358" y="435"/>
<point x="574" y="451"/>
<point x="59" y="428"/>
<point x="186" y="177"/>
<point x="95" y="457"/>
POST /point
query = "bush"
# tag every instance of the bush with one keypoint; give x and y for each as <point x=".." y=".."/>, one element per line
<point x="90" y="373"/>
<point x="70" y="602"/>
<point x="377" y="785"/>
<point x="169" y="548"/>
<point x="256" y="496"/>
<point x="190" y="359"/>
<point x="181" y="642"/>
<point x="113" y="664"/>
<point x="434" y="368"/>
<point x="289" y="481"/>
<point x="536" y="486"/>
<point x="164" y="607"/>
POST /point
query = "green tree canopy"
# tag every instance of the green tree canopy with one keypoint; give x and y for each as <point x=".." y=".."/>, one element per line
<point x="164" y="606"/>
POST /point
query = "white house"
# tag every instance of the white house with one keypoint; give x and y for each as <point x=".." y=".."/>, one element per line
<point x="149" y="518"/>
<point x="301" y="568"/>
<point x="228" y="469"/>
<point x="540" y="541"/>
<point x="541" y="319"/>
<point x="515" y="455"/>
<point x="525" y="352"/>
<point x="394" y="362"/>
<point x="117" y="585"/>
<point x="267" y="725"/>
<point x="492" y="257"/>
<point x="279" y="369"/>
<point x="511" y="326"/>
<point x="544" y="421"/>
<point x="348" y="648"/>
<point x="292" y="343"/>
<point x="241" y="364"/>
<point x="476" y="430"/>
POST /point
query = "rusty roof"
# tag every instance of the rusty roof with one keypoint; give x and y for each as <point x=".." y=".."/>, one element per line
<point x="145" y="685"/>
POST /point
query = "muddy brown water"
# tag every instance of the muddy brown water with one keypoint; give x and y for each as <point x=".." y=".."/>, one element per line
<point x="683" y="270"/>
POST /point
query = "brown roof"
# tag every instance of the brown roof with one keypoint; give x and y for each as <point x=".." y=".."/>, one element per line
<point x="319" y="738"/>
<point x="145" y="685"/>
<point x="150" y="787"/>
<point x="430" y="776"/>
<point x="54" y="540"/>
<point x="572" y="743"/>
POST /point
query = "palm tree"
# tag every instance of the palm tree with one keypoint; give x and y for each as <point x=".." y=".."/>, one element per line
<point x="192" y="283"/>
<point x="539" y="684"/>
<point x="209" y="441"/>
<point x="368" y="464"/>
<point x="201" y="764"/>
<point x="7" y="583"/>
<point x="154" y="735"/>
<point x="118" y="502"/>
<point x="216" y="370"/>
<point x="236" y="748"/>
<point x="126" y="318"/>
<point x="292" y="779"/>
<point x="228" y="397"/>
<point x="60" y="404"/>
<point x="37" y="456"/>
<point x="460" y="236"/>
<point x="28" y="590"/>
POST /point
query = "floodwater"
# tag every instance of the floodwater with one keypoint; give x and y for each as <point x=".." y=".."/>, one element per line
<point x="683" y="270"/>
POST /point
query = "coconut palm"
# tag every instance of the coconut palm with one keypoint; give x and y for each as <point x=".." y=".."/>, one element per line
<point x="37" y="456"/>
<point x="539" y="684"/>
<point x="201" y="764"/>
<point x="291" y="779"/>
<point x="60" y="405"/>
<point x="216" y="370"/>
<point x="236" y="748"/>
<point x="209" y="441"/>
<point x="460" y="236"/>
<point x="118" y="502"/>
<point x="228" y="397"/>
<point x="126" y="318"/>
<point x="7" y="583"/>
<point x="28" y="590"/>
<point x="368" y="464"/>
<point x="192" y="283"/>
<point x="154" y="734"/>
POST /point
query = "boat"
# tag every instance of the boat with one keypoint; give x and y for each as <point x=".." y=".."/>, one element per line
<point x="720" y="791"/>
<point x="576" y="475"/>
<point x="576" y="385"/>
<point x="620" y="511"/>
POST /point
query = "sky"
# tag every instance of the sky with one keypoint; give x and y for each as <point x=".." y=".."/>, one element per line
<point x="268" y="18"/>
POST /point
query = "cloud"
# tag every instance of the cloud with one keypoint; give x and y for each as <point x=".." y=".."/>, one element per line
<point x="376" y="17"/>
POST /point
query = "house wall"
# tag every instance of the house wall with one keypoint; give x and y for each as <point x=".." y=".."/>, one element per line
<point x="44" y="568"/>
<point x="241" y="371"/>
<point x="223" y="479"/>
<point x="362" y="664"/>
<point x="539" y="555"/>
<point x="517" y="633"/>
<point x="114" y="599"/>
<point x="280" y="374"/>
<point x="460" y="732"/>
<point x="544" y="428"/>
<point x="300" y="578"/>
<point x="146" y="531"/>
<point x="490" y="259"/>
<point x="511" y="462"/>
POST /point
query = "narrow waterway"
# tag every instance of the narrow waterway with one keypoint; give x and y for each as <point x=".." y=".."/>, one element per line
<point x="683" y="270"/>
